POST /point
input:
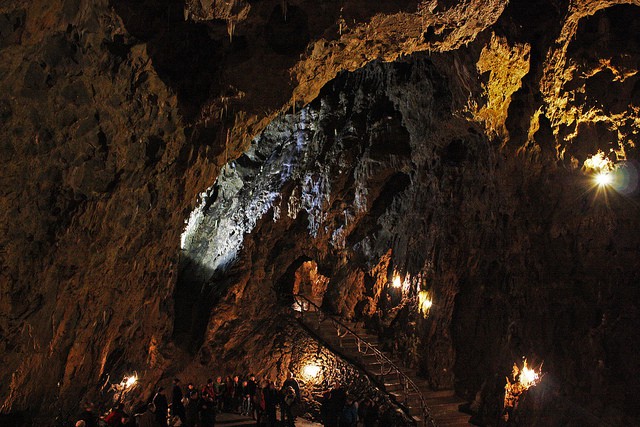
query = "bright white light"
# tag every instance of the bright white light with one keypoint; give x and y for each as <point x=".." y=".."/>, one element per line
<point x="598" y="162"/>
<point x="195" y="219"/>
<point x="131" y="381"/>
<point x="311" y="371"/>
<point x="397" y="282"/>
<point x="604" y="178"/>
<point x="528" y="376"/>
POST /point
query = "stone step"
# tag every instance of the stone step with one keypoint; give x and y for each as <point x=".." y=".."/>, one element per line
<point x="444" y="411"/>
<point x="428" y="393"/>
<point x="449" y="421"/>
<point x="451" y="416"/>
<point x="442" y="400"/>
<point x="409" y="398"/>
<point x="453" y="423"/>
<point x="353" y="339"/>
<point x="389" y="387"/>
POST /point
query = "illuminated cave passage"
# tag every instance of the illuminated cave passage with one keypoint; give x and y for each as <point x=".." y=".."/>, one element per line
<point x="192" y="189"/>
<point x="378" y="175"/>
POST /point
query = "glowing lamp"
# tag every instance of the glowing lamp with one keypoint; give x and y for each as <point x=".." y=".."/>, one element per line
<point x="523" y="380"/>
<point x="424" y="303"/>
<point x="396" y="281"/>
<point x="598" y="162"/>
<point x="603" y="179"/>
<point x="311" y="371"/>
<point x="130" y="381"/>
<point x="528" y="377"/>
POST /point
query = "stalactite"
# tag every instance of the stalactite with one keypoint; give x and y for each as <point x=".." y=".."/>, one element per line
<point x="231" y="27"/>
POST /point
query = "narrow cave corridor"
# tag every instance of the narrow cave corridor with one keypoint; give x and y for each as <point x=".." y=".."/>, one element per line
<point x="430" y="208"/>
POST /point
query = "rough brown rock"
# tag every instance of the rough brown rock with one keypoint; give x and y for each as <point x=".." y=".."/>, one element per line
<point x="464" y="161"/>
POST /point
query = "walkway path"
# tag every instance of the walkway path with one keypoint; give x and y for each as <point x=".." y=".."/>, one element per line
<point x="233" y="420"/>
<point x="443" y="404"/>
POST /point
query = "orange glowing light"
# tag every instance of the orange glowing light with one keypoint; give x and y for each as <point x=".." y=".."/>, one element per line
<point x="397" y="282"/>
<point x="424" y="303"/>
<point x="523" y="380"/>
<point x="130" y="381"/>
<point x="599" y="162"/>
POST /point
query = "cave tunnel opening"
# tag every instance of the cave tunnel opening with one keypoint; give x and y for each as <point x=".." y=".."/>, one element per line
<point x="285" y="285"/>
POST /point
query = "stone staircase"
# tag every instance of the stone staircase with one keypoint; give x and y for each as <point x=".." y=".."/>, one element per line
<point x="363" y="349"/>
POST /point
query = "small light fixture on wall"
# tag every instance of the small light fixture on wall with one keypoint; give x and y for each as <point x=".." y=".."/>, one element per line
<point x="425" y="302"/>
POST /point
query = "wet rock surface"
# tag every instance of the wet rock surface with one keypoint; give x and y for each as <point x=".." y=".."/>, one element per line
<point x="458" y="167"/>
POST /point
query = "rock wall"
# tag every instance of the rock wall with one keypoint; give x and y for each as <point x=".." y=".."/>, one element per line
<point x="459" y="167"/>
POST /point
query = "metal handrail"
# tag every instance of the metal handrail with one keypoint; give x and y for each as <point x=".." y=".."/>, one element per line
<point x="404" y="380"/>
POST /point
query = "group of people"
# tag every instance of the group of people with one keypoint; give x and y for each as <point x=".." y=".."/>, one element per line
<point x="198" y="406"/>
<point x="340" y="409"/>
<point x="193" y="406"/>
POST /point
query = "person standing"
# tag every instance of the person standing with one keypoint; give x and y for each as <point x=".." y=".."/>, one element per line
<point x="250" y="391"/>
<point x="349" y="415"/>
<point x="293" y="383"/>
<point x="192" y="410"/>
<point x="88" y="416"/>
<point x="148" y="417"/>
<point x="177" y="407"/>
<point x="271" y="400"/>
<point x="162" y="407"/>
<point x="368" y="412"/>
<point x="220" y="389"/>
<point x="207" y="407"/>
<point x="259" y="404"/>
<point x="288" y="406"/>
<point x="328" y="411"/>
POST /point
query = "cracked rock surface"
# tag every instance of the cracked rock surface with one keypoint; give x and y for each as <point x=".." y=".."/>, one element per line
<point x="443" y="140"/>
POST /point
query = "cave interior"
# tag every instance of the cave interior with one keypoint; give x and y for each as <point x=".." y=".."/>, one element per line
<point x="184" y="181"/>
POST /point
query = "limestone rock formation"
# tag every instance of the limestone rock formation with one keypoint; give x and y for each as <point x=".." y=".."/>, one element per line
<point x="322" y="145"/>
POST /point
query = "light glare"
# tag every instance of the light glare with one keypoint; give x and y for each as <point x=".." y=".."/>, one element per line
<point x="523" y="379"/>
<point x="604" y="178"/>
<point x="598" y="162"/>
<point x="397" y="282"/>
<point x="424" y="303"/>
<point x="131" y="381"/>
<point x="311" y="371"/>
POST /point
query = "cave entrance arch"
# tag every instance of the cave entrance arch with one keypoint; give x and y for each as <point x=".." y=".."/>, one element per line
<point x="302" y="278"/>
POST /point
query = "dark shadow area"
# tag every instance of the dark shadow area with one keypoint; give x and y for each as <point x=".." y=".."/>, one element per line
<point x="185" y="56"/>
<point x="388" y="136"/>
<point x="284" y="284"/>
<point x="455" y="153"/>
<point x="287" y="35"/>
<point x="194" y="297"/>
<point x="611" y="31"/>
<point x="353" y="11"/>
<point x="11" y="27"/>
<point x="188" y="56"/>
<point x="18" y="419"/>
<point x="635" y="94"/>
<point x="612" y="34"/>
<point x="536" y="22"/>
